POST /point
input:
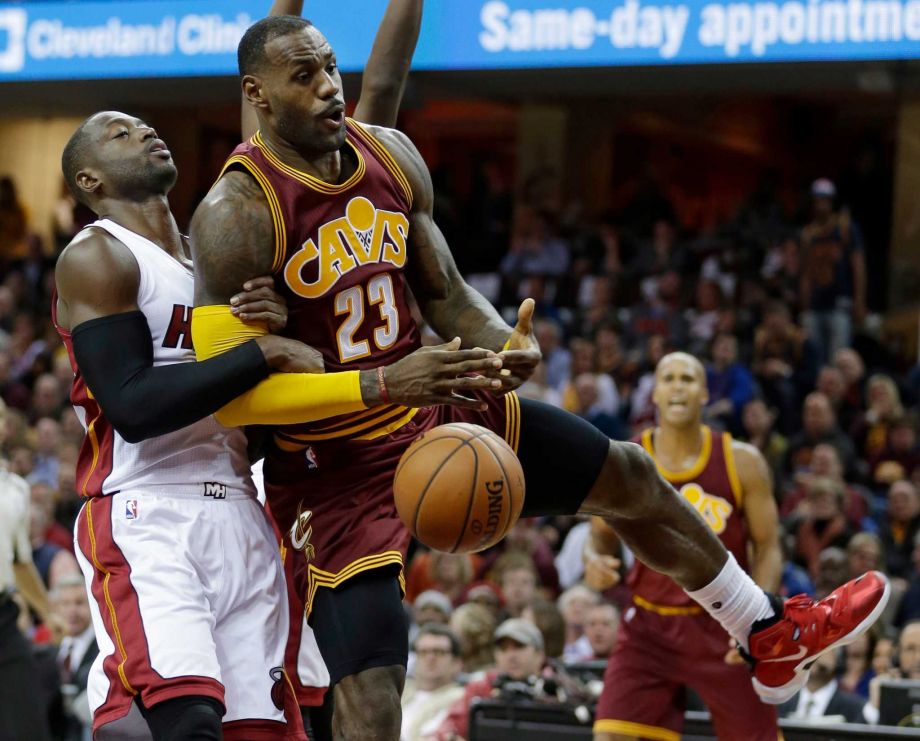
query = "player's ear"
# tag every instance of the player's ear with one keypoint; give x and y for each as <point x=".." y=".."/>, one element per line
<point x="87" y="181"/>
<point x="253" y="92"/>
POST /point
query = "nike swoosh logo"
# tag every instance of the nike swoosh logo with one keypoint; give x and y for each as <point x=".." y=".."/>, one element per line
<point x="801" y="654"/>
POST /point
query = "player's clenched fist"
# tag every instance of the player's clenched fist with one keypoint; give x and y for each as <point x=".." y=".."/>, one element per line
<point x="440" y="375"/>
<point x="602" y="572"/>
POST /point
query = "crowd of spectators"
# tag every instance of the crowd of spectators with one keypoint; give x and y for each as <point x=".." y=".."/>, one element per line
<point x="775" y="309"/>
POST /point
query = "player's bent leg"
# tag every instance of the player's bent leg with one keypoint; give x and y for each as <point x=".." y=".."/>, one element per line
<point x="367" y="705"/>
<point x="190" y="718"/>
<point x="363" y="634"/>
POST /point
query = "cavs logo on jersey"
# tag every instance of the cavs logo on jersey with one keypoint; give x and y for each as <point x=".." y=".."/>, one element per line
<point x="301" y="532"/>
<point x="714" y="510"/>
<point x="363" y="235"/>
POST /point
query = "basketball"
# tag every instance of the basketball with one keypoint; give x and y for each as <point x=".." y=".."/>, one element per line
<point x="459" y="488"/>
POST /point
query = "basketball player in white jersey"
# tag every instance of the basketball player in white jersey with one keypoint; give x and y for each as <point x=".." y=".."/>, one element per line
<point x="188" y="597"/>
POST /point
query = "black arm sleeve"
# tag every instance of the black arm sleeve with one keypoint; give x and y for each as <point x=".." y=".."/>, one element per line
<point x="115" y="357"/>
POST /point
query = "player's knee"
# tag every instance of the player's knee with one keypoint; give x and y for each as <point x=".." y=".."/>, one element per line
<point x="186" y="719"/>
<point x="367" y="705"/>
<point x="629" y="482"/>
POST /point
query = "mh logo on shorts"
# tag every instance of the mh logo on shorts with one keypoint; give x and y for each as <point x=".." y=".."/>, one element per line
<point x="12" y="39"/>
<point x="214" y="490"/>
<point x="131" y="509"/>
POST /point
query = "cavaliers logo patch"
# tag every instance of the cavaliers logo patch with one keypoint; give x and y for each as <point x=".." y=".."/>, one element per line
<point x="301" y="532"/>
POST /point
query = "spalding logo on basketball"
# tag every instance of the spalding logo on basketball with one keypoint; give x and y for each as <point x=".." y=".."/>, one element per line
<point x="459" y="488"/>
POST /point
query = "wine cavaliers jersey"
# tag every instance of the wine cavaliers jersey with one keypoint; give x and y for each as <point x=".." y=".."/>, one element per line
<point x="204" y="458"/>
<point x="712" y="488"/>
<point x="340" y="254"/>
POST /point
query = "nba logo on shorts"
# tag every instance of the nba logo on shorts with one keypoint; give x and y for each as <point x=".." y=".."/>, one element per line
<point x="12" y="39"/>
<point x="131" y="509"/>
<point x="310" y="456"/>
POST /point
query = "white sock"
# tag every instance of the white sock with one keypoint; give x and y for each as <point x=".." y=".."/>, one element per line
<point x="734" y="600"/>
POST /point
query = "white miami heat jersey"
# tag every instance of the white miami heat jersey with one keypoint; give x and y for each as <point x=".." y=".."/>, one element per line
<point x="204" y="458"/>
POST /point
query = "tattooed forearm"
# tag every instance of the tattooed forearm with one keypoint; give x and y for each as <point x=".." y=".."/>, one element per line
<point x="232" y="238"/>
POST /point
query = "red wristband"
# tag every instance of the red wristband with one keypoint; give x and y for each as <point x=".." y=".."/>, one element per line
<point x="382" y="384"/>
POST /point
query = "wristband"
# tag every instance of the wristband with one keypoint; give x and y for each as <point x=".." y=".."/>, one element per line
<point x="382" y="385"/>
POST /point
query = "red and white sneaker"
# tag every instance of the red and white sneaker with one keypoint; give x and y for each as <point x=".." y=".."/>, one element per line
<point x="783" y="647"/>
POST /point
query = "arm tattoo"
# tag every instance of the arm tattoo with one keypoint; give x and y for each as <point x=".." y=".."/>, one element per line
<point x="448" y="303"/>
<point x="232" y="238"/>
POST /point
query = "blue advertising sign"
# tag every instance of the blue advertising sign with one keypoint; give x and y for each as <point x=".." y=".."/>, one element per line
<point x="141" y="38"/>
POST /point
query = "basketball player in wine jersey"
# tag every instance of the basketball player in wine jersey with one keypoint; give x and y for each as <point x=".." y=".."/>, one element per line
<point x="169" y="487"/>
<point x="342" y="214"/>
<point x="666" y="641"/>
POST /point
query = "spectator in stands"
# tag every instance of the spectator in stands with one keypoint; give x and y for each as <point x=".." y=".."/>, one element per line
<point x="525" y="546"/>
<point x="473" y="625"/>
<point x="52" y="561"/>
<point x="569" y="562"/>
<point x="825" y="463"/>
<point x="883" y="407"/>
<point x="643" y="410"/>
<point x="556" y="358"/>
<point x="518" y="656"/>
<point x="703" y="318"/>
<point x="518" y="580"/>
<point x="900" y="457"/>
<point x="445" y="572"/>
<point x="487" y="594"/>
<point x="588" y="406"/>
<point x="819" y="425"/>
<point x="432" y="608"/>
<point x="730" y="384"/>
<point x="857" y="668"/>
<point x="822" y="695"/>
<point x="584" y="362"/>
<point x="659" y="313"/>
<point x="602" y="622"/>
<point x="574" y="603"/>
<point x="758" y="421"/>
<point x="429" y="694"/>
<point x="782" y="270"/>
<point x="48" y="397"/>
<point x="14" y="233"/>
<point x="851" y="365"/>
<point x="596" y="308"/>
<point x="864" y="553"/>
<point x="549" y="621"/>
<point x="833" y="273"/>
<point x="73" y="719"/>
<point x="833" y="385"/>
<point x="905" y="663"/>
<point x="536" y="248"/>
<point x="822" y="525"/>
<point x="899" y="528"/>
<point x="15" y="393"/>
<point x="46" y="467"/>
<point x="909" y="608"/>
<point x="781" y="362"/>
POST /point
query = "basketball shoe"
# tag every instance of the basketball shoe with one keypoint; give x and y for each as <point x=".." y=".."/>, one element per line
<point x="783" y="647"/>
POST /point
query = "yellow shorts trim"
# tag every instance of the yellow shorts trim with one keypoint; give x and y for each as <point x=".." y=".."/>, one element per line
<point x="666" y="609"/>
<point x="318" y="578"/>
<point x="640" y="730"/>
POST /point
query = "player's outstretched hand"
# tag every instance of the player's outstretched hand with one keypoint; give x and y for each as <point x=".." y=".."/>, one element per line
<point x="441" y="374"/>
<point x="523" y="354"/>
<point x="290" y="356"/>
<point x="259" y="303"/>
<point x="602" y="572"/>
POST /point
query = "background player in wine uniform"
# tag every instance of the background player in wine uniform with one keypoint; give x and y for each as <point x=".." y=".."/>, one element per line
<point x="343" y="214"/>
<point x="666" y="641"/>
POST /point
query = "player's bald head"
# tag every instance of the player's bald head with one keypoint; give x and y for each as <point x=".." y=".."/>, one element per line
<point x="681" y="357"/>
<point x="250" y="55"/>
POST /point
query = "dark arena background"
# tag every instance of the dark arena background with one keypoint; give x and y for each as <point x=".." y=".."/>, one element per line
<point x="737" y="179"/>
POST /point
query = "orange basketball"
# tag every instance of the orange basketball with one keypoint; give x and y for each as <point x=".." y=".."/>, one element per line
<point x="459" y="488"/>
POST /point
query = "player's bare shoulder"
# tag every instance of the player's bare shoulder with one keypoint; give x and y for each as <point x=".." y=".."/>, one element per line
<point x="409" y="159"/>
<point x="750" y="464"/>
<point x="232" y="237"/>
<point x="95" y="272"/>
